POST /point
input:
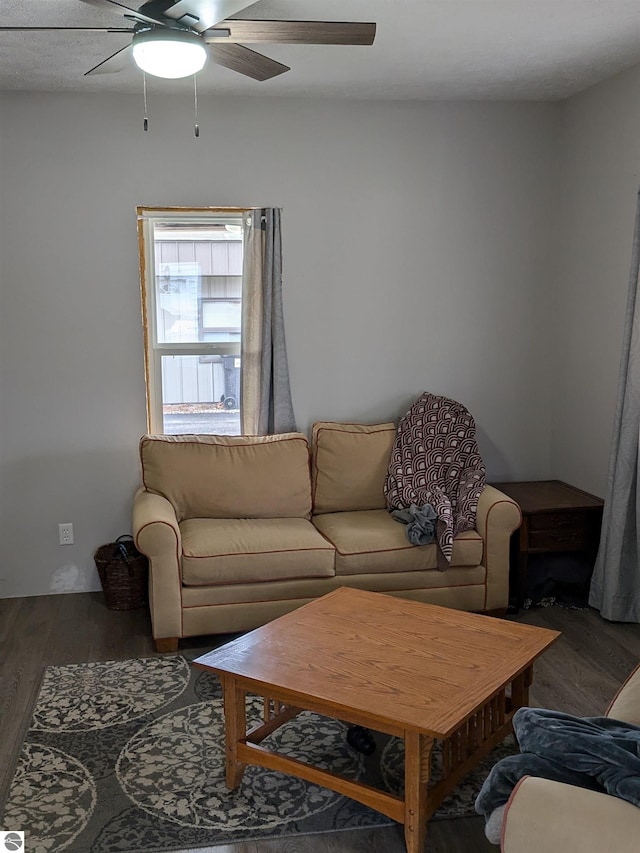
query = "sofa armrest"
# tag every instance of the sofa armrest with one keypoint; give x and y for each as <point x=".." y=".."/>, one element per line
<point x="548" y="817"/>
<point x="626" y="703"/>
<point x="496" y="519"/>
<point x="157" y="535"/>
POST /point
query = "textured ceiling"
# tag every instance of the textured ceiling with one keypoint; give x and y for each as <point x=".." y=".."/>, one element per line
<point x="450" y="49"/>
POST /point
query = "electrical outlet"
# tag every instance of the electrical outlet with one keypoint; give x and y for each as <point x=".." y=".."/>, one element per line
<point x="65" y="534"/>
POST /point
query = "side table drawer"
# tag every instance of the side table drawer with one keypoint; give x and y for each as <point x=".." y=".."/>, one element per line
<point x="557" y="521"/>
<point x="558" y="540"/>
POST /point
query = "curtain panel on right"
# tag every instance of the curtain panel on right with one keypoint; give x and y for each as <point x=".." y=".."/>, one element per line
<point x="264" y="372"/>
<point x="615" y="585"/>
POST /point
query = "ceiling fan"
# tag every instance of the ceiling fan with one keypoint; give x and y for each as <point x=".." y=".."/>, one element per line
<point x="173" y="38"/>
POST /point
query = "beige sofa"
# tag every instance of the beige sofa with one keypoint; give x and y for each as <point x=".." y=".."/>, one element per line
<point x="548" y="817"/>
<point x="241" y="529"/>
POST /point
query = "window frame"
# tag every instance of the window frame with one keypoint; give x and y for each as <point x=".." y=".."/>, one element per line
<point x="154" y="350"/>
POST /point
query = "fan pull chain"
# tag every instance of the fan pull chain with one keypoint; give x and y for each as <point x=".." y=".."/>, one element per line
<point x="145" y="124"/>
<point x="196" y="127"/>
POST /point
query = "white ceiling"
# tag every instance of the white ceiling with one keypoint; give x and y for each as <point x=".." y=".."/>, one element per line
<point x="447" y="49"/>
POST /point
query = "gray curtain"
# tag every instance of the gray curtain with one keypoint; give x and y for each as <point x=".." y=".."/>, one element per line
<point x="615" y="586"/>
<point x="264" y="372"/>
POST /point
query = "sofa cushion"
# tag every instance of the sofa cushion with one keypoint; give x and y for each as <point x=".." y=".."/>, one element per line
<point x="349" y="465"/>
<point x="247" y="550"/>
<point x="368" y="542"/>
<point x="238" y="476"/>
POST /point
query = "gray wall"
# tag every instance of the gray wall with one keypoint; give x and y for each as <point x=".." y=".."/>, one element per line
<point x="599" y="166"/>
<point x="462" y="308"/>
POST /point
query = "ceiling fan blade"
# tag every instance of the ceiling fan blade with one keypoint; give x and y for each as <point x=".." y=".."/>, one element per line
<point x="118" y="61"/>
<point x="132" y="12"/>
<point x="298" y="32"/>
<point x="200" y="15"/>
<point x="67" y="29"/>
<point x="245" y="61"/>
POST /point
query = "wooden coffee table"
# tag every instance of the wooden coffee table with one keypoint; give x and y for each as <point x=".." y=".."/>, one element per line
<point x="412" y="670"/>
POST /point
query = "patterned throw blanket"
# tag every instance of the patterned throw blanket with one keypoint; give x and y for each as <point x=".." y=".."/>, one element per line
<point x="435" y="460"/>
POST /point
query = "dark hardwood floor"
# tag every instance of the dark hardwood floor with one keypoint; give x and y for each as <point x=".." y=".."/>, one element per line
<point x="579" y="674"/>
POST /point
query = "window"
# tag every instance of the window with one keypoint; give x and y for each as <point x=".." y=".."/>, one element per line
<point x="191" y="277"/>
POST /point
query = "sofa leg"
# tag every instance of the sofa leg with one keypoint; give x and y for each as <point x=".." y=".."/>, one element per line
<point x="166" y="644"/>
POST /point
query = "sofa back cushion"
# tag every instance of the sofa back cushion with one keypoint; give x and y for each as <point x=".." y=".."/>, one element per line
<point x="220" y="476"/>
<point x="349" y="465"/>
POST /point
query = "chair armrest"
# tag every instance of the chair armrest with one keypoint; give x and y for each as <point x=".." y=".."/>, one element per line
<point x="497" y="517"/>
<point x="551" y="817"/>
<point x="157" y="535"/>
<point x="625" y="705"/>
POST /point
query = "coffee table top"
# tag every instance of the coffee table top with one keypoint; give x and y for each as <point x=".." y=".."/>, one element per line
<point x="418" y="666"/>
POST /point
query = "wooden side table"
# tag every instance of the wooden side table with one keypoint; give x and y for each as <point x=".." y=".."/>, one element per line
<point x="555" y="517"/>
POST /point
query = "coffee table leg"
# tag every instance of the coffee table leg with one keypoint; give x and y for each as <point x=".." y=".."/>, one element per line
<point x="235" y="728"/>
<point x="417" y="766"/>
<point x="520" y="689"/>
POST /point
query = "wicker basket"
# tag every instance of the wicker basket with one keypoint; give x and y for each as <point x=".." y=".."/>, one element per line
<point x="124" y="573"/>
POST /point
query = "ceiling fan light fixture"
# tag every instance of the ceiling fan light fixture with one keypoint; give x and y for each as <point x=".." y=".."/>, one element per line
<point x="169" y="53"/>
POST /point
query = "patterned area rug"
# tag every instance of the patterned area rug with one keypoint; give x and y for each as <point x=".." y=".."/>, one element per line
<point x="128" y="756"/>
